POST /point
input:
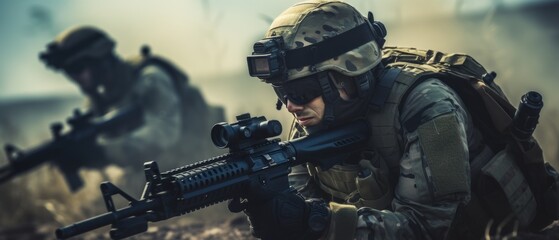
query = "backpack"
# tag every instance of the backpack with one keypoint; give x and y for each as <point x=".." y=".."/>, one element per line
<point x="197" y="117"/>
<point x="493" y="198"/>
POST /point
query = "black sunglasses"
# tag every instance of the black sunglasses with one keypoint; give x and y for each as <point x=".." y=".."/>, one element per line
<point x="300" y="91"/>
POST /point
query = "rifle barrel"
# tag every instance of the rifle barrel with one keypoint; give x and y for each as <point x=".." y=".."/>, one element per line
<point x="139" y="208"/>
<point x="29" y="160"/>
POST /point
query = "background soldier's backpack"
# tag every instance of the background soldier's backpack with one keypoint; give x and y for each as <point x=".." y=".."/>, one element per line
<point x="197" y="116"/>
<point x="531" y="196"/>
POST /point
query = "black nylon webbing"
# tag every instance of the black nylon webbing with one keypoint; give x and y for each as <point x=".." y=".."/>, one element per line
<point x="383" y="87"/>
<point x="329" y="48"/>
<point x="329" y="97"/>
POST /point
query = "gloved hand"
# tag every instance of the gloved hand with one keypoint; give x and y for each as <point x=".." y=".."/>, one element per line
<point x="87" y="155"/>
<point x="287" y="216"/>
<point x="76" y="156"/>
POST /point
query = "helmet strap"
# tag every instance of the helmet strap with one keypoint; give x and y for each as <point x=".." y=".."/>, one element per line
<point x="279" y="104"/>
<point x="364" y="83"/>
<point x="330" y="96"/>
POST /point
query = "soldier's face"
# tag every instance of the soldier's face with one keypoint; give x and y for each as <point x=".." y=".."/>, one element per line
<point x="83" y="78"/>
<point x="308" y="114"/>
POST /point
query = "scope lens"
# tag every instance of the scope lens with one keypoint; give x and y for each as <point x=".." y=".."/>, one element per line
<point x="220" y="136"/>
<point x="274" y="128"/>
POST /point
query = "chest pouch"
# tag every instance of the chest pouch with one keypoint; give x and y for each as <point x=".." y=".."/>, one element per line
<point x="364" y="185"/>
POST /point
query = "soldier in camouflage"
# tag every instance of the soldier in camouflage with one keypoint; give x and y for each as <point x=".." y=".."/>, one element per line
<point x="413" y="179"/>
<point x="86" y="56"/>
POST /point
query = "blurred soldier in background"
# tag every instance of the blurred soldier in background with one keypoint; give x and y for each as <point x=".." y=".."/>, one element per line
<point x="174" y="112"/>
<point x="432" y="169"/>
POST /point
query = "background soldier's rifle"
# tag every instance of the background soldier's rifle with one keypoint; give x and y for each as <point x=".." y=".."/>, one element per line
<point x="65" y="149"/>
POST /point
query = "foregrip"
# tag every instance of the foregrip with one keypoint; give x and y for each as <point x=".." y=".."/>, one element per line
<point x="211" y="184"/>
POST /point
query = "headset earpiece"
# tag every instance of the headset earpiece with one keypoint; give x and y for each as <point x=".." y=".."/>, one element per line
<point x="379" y="30"/>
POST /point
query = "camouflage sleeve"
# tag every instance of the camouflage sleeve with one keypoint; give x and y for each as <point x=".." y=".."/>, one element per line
<point x="426" y="198"/>
<point x="156" y="94"/>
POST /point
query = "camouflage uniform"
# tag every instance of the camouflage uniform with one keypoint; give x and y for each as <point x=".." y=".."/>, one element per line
<point x="414" y="212"/>
<point x="416" y="209"/>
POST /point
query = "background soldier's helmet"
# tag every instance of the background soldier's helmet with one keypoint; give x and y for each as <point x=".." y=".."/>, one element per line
<point x="311" y="22"/>
<point x="76" y="45"/>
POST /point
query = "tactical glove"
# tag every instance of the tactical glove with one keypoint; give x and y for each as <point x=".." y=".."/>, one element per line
<point x="287" y="216"/>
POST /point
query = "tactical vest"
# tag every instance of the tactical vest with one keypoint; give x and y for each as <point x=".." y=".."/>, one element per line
<point x="491" y="113"/>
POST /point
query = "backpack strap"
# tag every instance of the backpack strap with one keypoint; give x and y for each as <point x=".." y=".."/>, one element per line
<point x="383" y="87"/>
<point x="179" y="78"/>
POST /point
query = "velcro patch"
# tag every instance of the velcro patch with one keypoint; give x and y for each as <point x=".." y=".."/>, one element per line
<point x="445" y="155"/>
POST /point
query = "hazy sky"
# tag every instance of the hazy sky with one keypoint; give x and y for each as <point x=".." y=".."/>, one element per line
<point x="203" y="36"/>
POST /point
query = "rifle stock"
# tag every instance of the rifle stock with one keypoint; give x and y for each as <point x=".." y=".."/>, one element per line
<point x="262" y="165"/>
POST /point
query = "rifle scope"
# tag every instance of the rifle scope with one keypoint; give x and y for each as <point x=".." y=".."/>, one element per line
<point x="246" y="129"/>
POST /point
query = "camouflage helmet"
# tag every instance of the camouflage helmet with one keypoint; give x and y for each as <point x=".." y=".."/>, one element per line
<point x="77" y="44"/>
<point x="312" y="22"/>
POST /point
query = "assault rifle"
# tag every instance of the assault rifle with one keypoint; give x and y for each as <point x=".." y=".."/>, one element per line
<point x="254" y="163"/>
<point x="64" y="148"/>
